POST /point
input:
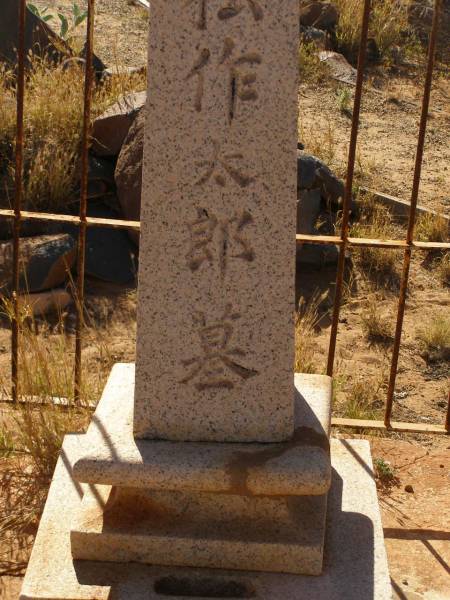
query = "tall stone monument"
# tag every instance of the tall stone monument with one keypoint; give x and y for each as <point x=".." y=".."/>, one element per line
<point x="211" y="454"/>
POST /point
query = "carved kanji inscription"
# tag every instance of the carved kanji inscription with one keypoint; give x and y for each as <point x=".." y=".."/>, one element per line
<point x="219" y="364"/>
<point x="218" y="240"/>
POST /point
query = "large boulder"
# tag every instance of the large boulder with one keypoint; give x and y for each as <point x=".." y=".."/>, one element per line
<point x="39" y="38"/>
<point x="111" y="128"/>
<point x="322" y="15"/>
<point x="420" y="17"/>
<point x="129" y="172"/>
<point x="312" y="173"/>
<point x="44" y="262"/>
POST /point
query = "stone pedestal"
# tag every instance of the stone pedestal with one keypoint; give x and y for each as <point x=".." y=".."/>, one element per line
<point x="355" y="565"/>
<point x="257" y="507"/>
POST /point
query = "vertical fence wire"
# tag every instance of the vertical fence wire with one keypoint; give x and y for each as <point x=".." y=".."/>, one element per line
<point x="412" y="212"/>
<point x="349" y="184"/>
<point x="18" y="194"/>
<point x="81" y="260"/>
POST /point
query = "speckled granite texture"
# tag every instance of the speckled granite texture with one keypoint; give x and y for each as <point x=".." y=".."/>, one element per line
<point x="355" y="565"/>
<point x="215" y="349"/>
<point x="300" y="466"/>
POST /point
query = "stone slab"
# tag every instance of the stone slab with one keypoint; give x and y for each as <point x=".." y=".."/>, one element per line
<point x="215" y="347"/>
<point x="220" y="531"/>
<point x="298" y="467"/>
<point x="355" y="565"/>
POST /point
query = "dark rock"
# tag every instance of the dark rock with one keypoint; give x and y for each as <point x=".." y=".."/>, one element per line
<point x="39" y="38"/>
<point x="313" y="173"/>
<point x="409" y="488"/>
<point x="322" y="15"/>
<point x="44" y="262"/>
<point x="129" y="172"/>
<point x="101" y="180"/>
<point x="110" y="255"/>
<point x="111" y="128"/>
<point x="312" y="35"/>
<point x="316" y="255"/>
<point x="308" y="209"/>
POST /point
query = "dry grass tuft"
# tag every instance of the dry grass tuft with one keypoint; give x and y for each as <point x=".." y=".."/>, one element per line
<point x="434" y="339"/>
<point x="362" y="398"/>
<point x="53" y="125"/>
<point x="306" y="324"/>
<point x="443" y="269"/>
<point x="432" y="228"/>
<point x="382" y="265"/>
<point x="376" y="325"/>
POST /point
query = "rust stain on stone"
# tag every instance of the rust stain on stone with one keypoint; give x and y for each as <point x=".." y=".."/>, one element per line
<point x="242" y="463"/>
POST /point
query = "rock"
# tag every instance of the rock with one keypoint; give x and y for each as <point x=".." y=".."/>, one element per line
<point x="308" y="209"/>
<point x="39" y="38"/>
<point x="420" y="17"/>
<point x="101" y="180"/>
<point x="314" y="173"/>
<point x="110" y="256"/>
<point x="44" y="262"/>
<point x="316" y="255"/>
<point x="312" y="35"/>
<point x="339" y="67"/>
<point x="111" y="128"/>
<point x="322" y="15"/>
<point x="409" y="488"/>
<point x="123" y="71"/>
<point x="128" y="173"/>
<point x="43" y="303"/>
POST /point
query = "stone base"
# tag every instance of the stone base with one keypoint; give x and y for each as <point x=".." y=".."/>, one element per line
<point x="298" y="467"/>
<point x="355" y="565"/>
<point x="252" y="506"/>
<point x="222" y="531"/>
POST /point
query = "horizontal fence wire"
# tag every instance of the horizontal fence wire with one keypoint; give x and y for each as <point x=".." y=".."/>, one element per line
<point x="343" y="242"/>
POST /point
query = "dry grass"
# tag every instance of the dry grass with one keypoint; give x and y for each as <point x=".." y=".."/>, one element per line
<point x="431" y="228"/>
<point x="443" y="269"/>
<point x="388" y="27"/>
<point x="53" y="125"/>
<point x="306" y="324"/>
<point x="381" y="265"/>
<point x="376" y="324"/>
<point x="361" y="397"/>
<point x="434" y="339"/>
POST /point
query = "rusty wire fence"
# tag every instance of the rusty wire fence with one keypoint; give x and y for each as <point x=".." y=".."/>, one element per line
<point x="343" y="241"/>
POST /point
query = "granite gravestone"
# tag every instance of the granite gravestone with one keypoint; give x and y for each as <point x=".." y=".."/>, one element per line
<point x="215" y="348"/>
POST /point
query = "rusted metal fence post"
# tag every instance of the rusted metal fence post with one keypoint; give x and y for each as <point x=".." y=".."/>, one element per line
<point x="88" y="85"/>
<point x="349" y="184"/>
<point x="412" y="212"/>
<point x="18" y="181"/>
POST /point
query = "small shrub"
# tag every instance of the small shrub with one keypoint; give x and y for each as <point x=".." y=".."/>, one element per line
<point x="376" y="324"/>
<point x="312" y="69"/>
<point x="434" y="339"/>
<point x="343" y="97"/>
<point x="384" y="473"/>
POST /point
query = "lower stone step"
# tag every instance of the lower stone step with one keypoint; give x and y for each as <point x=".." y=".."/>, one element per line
<point x="275" y="534"/>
